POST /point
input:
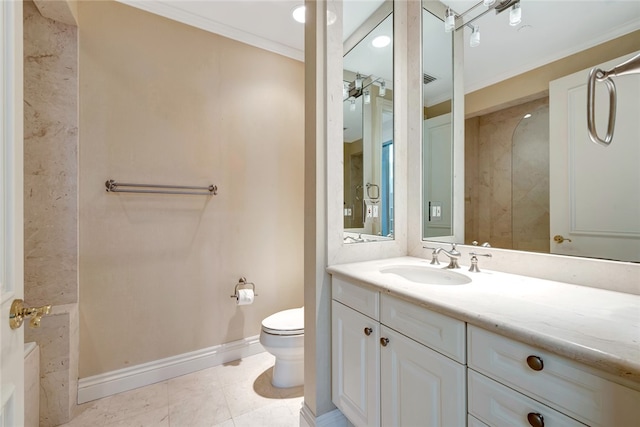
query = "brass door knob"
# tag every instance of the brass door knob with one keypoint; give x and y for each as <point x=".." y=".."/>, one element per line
<point x="384" y="341"/>
<point x="559" y="239"/>
<point x="368" y="331"/>
<point x="18" y="312"/>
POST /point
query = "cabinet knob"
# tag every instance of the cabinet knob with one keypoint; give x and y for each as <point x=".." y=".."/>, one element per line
<point x="535" y="420"/>
<point x="384" y="341"/>
<point x="535" y="363"/>
<point x="367" y="331"/>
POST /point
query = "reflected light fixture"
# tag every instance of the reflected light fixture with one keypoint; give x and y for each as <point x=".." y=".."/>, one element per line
<point x="475" y="36"/>
<point x="526" y="116"/>
<point x="488" y="2"/>
<point x="352" y="107"/>
<point x="367" y="97"/>
<point x="449" y="20"/>
<point x="381" y="41"/>
<point x="515" y="15"/>
<point x="383" y="89"/>
<point x="345" y="90"/>
<point x="358" y="83"/>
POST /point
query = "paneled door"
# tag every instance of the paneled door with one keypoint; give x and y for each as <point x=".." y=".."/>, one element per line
<point x="11" y="229"/>
<point x="594" y="190"/>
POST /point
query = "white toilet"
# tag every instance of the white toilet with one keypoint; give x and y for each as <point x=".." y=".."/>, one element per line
<point x="283" y="336"/>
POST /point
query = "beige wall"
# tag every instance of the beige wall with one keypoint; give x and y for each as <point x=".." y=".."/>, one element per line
<point x="535" y="83"/>
<point x="165" y="103"/>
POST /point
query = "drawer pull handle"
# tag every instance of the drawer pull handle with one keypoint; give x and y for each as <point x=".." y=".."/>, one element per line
<point x="368" y="331"/>
<point x="535" y="420"/>
<point x="384" y="341"/>
<point x="535" y="363"/>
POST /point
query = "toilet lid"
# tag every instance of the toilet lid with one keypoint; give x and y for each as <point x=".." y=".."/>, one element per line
<point x="287" y="322"/>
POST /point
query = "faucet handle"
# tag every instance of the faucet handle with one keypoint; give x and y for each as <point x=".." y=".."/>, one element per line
<point x="434" y="255"/>
<point x="474" y="261"/>
<point x="473" y="254"/>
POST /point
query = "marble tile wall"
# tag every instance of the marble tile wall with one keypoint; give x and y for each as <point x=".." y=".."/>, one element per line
<point x="489" y="195"/>
<point x="50" y="205"/>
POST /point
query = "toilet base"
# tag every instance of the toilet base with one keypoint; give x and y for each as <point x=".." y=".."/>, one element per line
<point x="288" y="373"/>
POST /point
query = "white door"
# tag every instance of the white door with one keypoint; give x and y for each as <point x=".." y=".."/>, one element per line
<point x="11" y="232"/>
<point x="355" y="365"/>
<point x="420" y="387"/>
<point x="439" y="207"/>
<point x="595" y="190"/>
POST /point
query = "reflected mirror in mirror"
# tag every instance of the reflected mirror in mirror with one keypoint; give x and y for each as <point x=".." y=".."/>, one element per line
<point x="510" y="199"/>
<point x="368" y="132"/>
<point x="437" y="140"/>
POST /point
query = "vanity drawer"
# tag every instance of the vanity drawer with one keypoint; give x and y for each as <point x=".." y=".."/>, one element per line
<point x="560" y="383"/>
<point x="497" y="405"/>
<point x="361" y="299"/>
<point x="441" y="333"/>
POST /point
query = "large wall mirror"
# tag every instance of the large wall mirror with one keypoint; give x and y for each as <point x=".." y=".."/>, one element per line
<point x="437" y="136"/>
<point x="533" y="179"/>
<point x="368" y="122"/>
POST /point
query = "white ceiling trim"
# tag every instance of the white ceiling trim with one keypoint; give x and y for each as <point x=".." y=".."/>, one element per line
<point x="170" y="11"/>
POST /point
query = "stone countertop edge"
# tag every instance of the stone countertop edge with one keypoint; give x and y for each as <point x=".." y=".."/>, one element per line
<point x="591" y="349"/>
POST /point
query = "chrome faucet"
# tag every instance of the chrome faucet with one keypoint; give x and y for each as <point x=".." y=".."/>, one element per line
<point x="453" y="255"/>
<point x="353" y="239"/>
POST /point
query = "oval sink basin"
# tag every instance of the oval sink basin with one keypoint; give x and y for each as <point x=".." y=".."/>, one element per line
<point x="426" y="275"/>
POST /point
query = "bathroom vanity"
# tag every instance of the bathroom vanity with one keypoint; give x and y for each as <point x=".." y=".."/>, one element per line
<point x="480" y="349"/>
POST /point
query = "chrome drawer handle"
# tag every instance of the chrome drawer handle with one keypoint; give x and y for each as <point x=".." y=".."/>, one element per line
<point x="535" y="420"/>
<point x="368" y="331"/>
<point x="535" y="363"/>
<point x="384" y="341"/>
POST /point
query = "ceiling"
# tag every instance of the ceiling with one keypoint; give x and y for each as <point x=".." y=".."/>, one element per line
<point x="550" y="29"/>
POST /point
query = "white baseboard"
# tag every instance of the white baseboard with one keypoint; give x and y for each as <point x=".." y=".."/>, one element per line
<point x="334" y="418"/>
<point x="109" y="383"/>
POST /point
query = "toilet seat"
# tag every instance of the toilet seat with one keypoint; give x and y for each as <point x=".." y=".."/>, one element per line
<point x="287" y="322"/>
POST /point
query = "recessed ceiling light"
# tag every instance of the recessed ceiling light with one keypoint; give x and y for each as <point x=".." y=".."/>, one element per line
<point x="381" y="41"/>
<point x="298" y="14"/>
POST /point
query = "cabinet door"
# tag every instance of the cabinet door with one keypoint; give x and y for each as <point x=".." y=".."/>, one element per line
<point x="420" y="387"/>
<point x="356" y="363"/>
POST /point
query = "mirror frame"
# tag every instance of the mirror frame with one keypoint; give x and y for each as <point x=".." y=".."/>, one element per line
<point x="372" y="158"/>
<point x="415" y="125"/>
<point x="337" y="250"/>
<point x="437" y="9"/>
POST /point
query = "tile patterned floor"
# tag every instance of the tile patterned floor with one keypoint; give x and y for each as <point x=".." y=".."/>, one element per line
<point x="237" y="394"/>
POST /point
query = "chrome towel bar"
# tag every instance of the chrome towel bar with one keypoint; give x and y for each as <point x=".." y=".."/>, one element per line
<point x="116" y="187"/>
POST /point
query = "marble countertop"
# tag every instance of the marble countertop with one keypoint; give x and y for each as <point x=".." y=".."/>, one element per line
<point x="596" y="327"/>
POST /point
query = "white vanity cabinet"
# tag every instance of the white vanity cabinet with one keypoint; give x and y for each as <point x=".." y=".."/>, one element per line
<point x="511" y="383"/>
<point x="389" y="364"/>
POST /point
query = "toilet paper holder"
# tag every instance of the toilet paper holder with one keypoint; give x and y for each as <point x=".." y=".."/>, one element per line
<point x="242" y="283"/>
